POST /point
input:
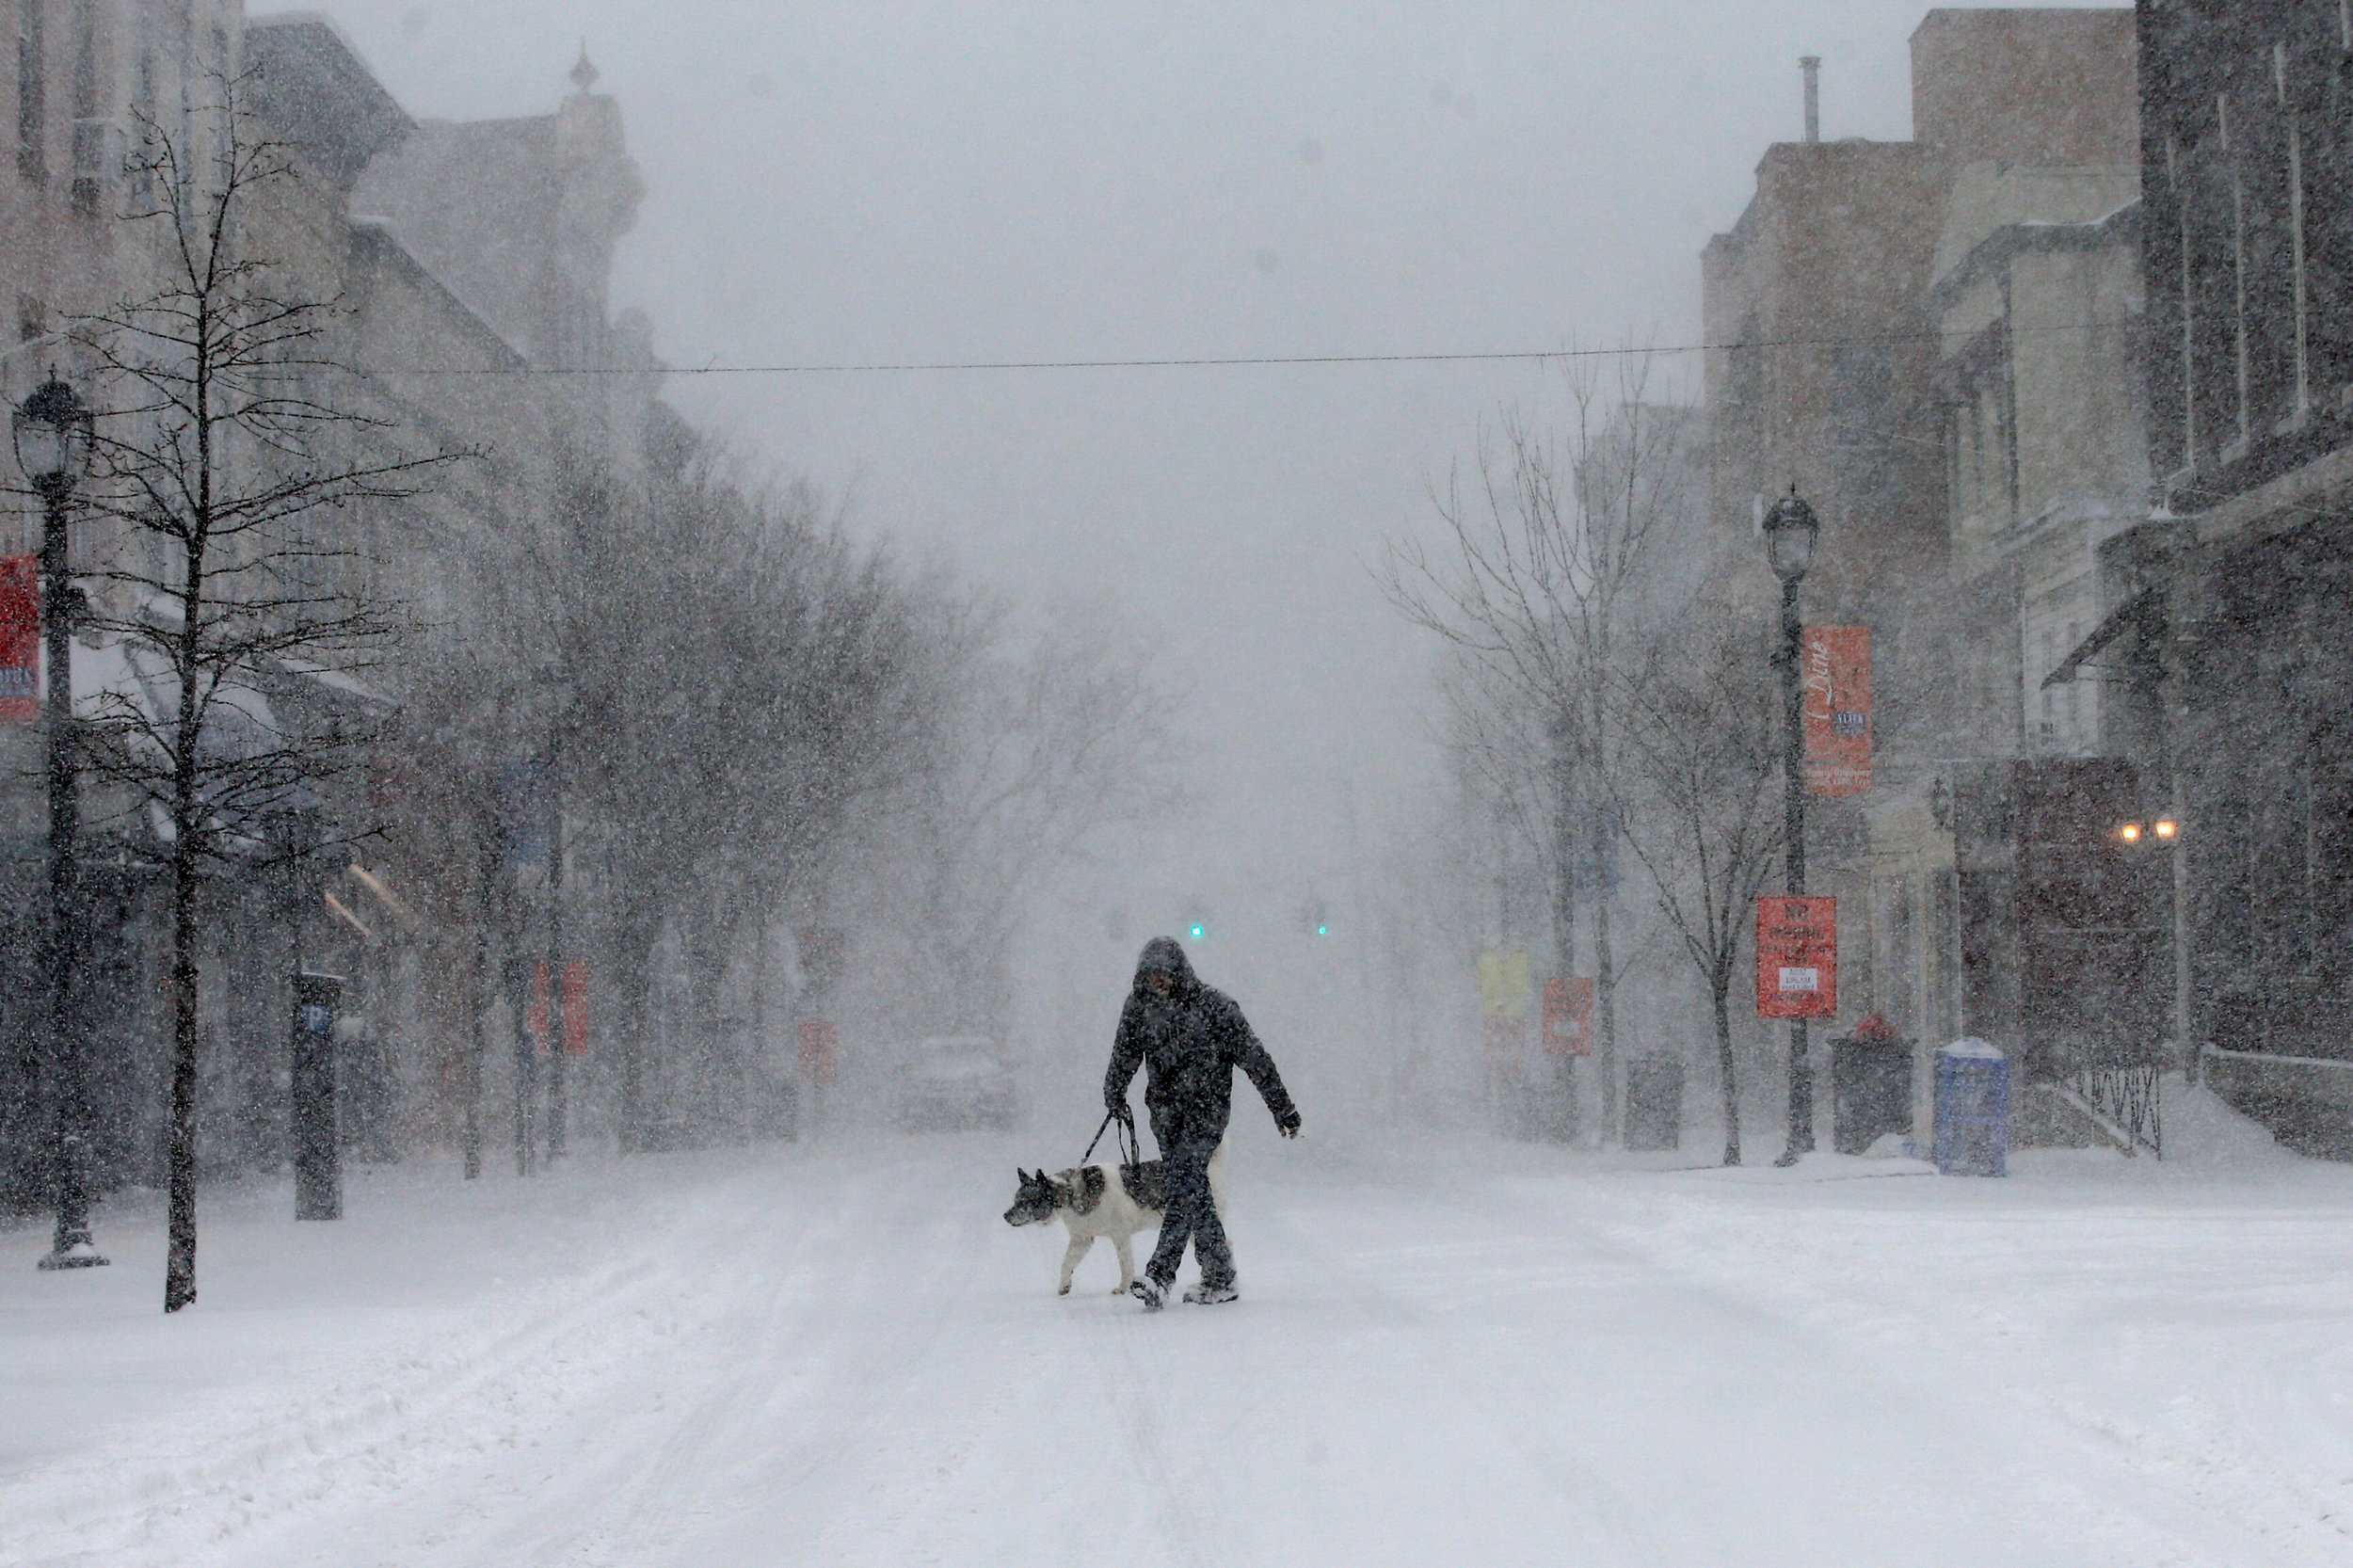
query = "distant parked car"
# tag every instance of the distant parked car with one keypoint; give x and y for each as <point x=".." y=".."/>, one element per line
<point x="959" y="1080"/>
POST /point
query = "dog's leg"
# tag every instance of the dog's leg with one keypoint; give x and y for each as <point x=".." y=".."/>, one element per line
<point x="1076" y="1250"/>
<point x="1126" y="1264"/>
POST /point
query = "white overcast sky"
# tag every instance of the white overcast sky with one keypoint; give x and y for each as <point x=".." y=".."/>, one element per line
<point x="893" y="180"/>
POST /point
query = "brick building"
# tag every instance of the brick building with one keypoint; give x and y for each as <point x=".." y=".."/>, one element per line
<point x="1937" y="342"/>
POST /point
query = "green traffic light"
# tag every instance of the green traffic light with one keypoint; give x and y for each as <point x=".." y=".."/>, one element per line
<point x="1324" y="931"/>
<point x="1199" y="932"/>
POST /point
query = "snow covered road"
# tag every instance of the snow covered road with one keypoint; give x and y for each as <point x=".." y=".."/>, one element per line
<point x="1483" y="1354"/>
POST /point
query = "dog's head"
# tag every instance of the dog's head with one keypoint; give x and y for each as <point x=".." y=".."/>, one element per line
<point x="1035" y="1201"/>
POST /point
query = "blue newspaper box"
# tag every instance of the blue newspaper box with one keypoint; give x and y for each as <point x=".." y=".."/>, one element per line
<point x="1972" y="1109"/>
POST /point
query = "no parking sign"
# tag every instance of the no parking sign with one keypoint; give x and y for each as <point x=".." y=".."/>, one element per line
<point x="1797" y="957"/>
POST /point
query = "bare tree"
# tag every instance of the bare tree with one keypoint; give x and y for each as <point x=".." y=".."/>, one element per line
<point x="1538" y="569"/>
<point x="726" y="675"/>
<point x="1036" y="752"/>
<point x="230" y="440"/>
<point x="1697" y="726"/>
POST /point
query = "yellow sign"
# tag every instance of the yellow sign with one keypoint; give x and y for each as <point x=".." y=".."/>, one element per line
<point x="1503" y="984"/>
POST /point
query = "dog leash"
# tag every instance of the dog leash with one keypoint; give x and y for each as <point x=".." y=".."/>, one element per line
<point x="1132" y="1152"/>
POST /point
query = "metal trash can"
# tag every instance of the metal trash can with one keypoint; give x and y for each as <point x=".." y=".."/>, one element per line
<point x="1871" y="1080"/>
<point x="1654" y="1102"/>
<point x="1972" y="1109"/>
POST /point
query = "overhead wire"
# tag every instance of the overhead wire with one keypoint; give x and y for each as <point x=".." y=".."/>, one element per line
<point x="1233" y="360"/>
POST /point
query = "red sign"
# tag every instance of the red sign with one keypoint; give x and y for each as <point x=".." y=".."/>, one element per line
<point x="20" y="639"/>
<point x="1836" y="662"/>
<point x="1569" y="1016"/>
<point x="821" y="1050"/>
<point x="575" y="1008"/>
<point x="1797" y="957"/>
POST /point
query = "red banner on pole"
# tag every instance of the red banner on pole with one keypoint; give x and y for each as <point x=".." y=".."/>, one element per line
<point x="1836" y="662"/>
<point x="1797" y="957"/>
<point x="575" y="1005"/>
<point x="20" y="639"/>
<point x="1569" y="1016"/>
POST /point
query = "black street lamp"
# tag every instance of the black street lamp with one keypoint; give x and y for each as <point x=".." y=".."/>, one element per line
<point x="51" y="431"/>
<point x="1790" y="531"/>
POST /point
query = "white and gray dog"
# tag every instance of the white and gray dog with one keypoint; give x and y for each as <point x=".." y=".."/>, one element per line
<point x="1096" y="1201"/>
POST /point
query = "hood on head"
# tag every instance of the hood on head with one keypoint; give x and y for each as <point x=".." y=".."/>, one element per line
<point x="1163" y="956"/>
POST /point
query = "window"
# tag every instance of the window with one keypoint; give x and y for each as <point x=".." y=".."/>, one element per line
<point x="2300" y="410"/>
<point x="90" y="130"/>
<point x="2238" y="268"/>
<point x="1863" y="420"/>
<point x="2174" y="170"/>
<point x="32" y="106"/>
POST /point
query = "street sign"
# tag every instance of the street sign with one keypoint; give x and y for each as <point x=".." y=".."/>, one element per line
<point x="1797" y="957"/>
<point x="1503" y="984"/>
<point x="1836" y="662"/>
<point x="1569" y="1016"/>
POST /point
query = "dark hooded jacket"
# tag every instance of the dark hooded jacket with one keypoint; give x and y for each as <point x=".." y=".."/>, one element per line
<point x="1189" y="1043"/>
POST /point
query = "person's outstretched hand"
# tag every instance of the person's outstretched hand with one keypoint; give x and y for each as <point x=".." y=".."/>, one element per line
<point x="1288" y="1123"/>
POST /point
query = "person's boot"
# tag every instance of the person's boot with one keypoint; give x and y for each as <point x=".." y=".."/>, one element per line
<point x="1212" y="1295"/>
<point x="1150" y="1291"/>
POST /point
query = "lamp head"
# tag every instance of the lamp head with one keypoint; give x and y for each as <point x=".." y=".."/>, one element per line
<point x="52" y="429"/>
<point x="1790" y="529"/>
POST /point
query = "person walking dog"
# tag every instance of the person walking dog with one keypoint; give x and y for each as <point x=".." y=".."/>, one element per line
<point x="1189" y="1037"/>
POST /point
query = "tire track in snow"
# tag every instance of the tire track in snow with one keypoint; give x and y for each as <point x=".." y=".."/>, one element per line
<point x="2175" y="1529"/>
<point x="387" y="1420"/>
<point x="1499" y="1408"/>
<point x="617" y="1481"/>
<point x="1126" y="1381"/>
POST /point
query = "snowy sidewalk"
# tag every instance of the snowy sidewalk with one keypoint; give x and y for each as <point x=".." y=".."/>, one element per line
<point x="1483" y="1354"/>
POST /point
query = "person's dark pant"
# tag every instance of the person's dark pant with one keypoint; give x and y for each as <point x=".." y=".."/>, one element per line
<point x="1191" y="1212"/>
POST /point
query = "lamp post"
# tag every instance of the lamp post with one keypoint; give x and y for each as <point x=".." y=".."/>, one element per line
<point x="52" y="432"/>
<point x="1790" y="529"/>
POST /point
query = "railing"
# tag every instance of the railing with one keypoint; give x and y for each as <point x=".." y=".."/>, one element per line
<point x="2125" y="1100"/>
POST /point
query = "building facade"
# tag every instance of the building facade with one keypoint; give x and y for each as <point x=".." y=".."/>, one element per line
<point x="2228" y="618"/>
<point x="393" y="220"/>
<point x="1938" y="342"/>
